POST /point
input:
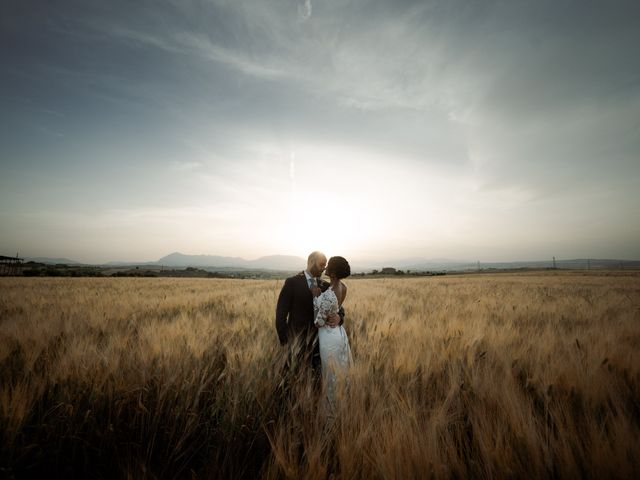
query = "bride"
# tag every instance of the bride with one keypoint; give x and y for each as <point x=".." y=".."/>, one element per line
<point x="335" y="353"/>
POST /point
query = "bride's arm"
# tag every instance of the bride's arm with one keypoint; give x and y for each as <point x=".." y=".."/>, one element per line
<point x="322" y="313"/>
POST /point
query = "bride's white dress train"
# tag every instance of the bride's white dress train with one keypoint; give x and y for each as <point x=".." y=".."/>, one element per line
<point x="335" y="353"/>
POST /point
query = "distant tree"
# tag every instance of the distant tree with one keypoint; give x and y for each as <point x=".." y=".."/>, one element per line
<point x="52" y="272"/>
<point x="375" y="272"/>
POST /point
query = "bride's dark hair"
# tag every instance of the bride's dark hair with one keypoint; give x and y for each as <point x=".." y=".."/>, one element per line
<point x="339" y="267"/>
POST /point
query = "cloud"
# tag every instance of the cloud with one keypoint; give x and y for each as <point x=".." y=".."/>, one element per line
<point x="199" y="45"/>
<point x="51" y="133"/>
<point x="292" y="171"/>
<point x="503" y="109"/>
<point x="186" y="166"/>
<point x="304" y="10"/>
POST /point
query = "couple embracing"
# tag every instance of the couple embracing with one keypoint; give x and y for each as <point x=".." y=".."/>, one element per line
<point x="309" y="318"/>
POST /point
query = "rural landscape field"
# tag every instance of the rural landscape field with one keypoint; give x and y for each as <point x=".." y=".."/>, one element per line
<point x="459" y="376"/>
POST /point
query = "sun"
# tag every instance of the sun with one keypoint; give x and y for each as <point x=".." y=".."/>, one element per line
<point x="328" y="229"/>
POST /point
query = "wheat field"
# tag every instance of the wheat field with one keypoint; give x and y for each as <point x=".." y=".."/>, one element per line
<point x="461" y="376"/>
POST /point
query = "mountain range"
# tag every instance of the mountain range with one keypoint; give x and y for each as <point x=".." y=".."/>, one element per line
<point x="52" y="261"/>
<point x="294" y="263"/>
<point x="272" y="262"/>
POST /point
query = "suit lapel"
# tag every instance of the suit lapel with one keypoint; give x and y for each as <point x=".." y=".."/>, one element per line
<point x="304" y="285"/>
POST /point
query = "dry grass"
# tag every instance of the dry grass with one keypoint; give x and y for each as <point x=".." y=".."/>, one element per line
<point x="479" y="376"/>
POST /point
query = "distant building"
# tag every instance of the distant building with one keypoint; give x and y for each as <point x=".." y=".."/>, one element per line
<point x="388" y="271"/>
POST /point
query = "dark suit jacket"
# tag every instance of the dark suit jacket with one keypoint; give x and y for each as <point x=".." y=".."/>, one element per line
<point x="294" y="312"/>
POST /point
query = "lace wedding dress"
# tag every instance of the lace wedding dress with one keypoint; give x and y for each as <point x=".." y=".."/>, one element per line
<point x="335" y="353"/>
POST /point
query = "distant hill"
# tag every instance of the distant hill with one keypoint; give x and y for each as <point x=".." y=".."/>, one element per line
<point x="116" y="263"/>
<point x="178" y="259"/>
<point x="290" y="263"/>
<point x="578" y="263"/>
<point x="293" y="263"/>
<point x="272" y="262"/>
<point x="52" y="261"/>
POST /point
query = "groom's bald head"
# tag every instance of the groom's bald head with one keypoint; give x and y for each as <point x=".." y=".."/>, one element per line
<point x="316" y="263"/>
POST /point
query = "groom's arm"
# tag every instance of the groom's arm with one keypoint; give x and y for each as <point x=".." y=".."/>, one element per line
<point x="282" y="310"/>
<point x="336" y="319"/>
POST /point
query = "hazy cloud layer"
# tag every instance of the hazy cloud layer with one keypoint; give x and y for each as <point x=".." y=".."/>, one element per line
<point x="492" y="130"/>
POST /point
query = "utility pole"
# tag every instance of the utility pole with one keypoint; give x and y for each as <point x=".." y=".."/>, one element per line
<point x="554" y="263"/>
<point x="478" y="265"/>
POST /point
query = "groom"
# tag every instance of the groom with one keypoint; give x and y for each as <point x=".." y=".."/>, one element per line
<point x="295" y="315"/>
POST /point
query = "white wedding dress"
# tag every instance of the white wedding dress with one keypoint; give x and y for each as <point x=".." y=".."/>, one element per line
<point x="335" y="353"/>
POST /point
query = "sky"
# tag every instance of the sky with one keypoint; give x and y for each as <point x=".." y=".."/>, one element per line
<point x="492" y="131"/>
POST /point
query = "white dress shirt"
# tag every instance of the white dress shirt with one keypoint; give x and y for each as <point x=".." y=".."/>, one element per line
<point x="310" y="279"/>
